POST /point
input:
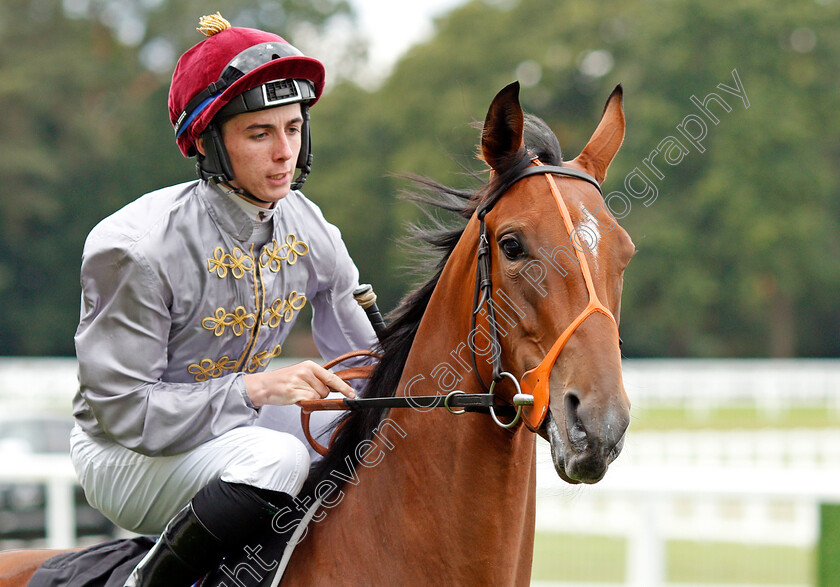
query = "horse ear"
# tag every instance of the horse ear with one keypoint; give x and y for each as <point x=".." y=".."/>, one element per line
<point x="607" y="138"/>
<point x="501" y="137"/>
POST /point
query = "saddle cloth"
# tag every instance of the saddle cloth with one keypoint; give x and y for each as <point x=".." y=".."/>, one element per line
<point x="109" y="564"/>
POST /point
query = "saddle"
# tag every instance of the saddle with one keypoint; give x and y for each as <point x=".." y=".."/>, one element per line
<point x="260" y="564"/>
<point x="104" y="565"/>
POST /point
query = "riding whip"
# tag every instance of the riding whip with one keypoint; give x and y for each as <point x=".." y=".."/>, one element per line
<point x="366" y="298"/>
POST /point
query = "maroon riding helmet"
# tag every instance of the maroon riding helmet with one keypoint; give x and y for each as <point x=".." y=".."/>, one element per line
<point x="238" y="70"/>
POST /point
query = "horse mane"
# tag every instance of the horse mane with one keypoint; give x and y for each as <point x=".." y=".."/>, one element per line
<point x="359" y="425"/>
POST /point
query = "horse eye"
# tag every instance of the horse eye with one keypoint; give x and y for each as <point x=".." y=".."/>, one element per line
<point x="512" y="248"/>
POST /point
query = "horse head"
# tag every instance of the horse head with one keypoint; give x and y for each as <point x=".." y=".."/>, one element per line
<point x="557" y="259"/>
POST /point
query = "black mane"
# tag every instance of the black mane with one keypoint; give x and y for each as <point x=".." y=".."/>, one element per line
<point x="404" y="320"/>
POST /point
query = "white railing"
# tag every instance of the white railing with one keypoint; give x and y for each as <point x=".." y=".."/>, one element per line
<point x="57" y="474"/>
<point x="700" y="385"/>
<point x="646" y="497"/>
<point x="31" y="383"/>
<point x="685" y="493"/>
<point x="754" y="486"/>
<point x="697" y="384"/>
<point x="796" y="448"/>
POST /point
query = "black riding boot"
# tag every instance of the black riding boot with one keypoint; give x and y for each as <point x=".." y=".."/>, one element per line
<point x="184" y="553"/>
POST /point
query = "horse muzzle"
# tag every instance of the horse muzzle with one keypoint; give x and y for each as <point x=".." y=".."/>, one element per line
<point x="582" y="448"/>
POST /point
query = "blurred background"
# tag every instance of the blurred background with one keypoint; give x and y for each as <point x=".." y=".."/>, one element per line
<point x="728" y="182"/>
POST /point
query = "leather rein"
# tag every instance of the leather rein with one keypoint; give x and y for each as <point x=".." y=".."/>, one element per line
<point x="532" y="392"/>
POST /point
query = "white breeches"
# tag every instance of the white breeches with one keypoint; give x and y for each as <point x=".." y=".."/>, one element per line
<point x="141" y="493"/>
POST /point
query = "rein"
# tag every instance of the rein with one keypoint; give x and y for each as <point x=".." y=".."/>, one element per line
<point x="532" y="393"/>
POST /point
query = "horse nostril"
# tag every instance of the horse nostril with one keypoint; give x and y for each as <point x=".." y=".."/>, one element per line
<point x="574" y="426"/>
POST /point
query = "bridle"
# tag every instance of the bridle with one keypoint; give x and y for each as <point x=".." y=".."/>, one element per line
<point x="532" y="393"/>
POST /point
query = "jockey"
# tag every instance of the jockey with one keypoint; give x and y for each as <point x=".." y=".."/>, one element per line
<point x="187" y="294"/>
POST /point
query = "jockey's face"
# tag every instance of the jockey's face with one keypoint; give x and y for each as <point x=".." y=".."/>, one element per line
<point x="263" y="148"/>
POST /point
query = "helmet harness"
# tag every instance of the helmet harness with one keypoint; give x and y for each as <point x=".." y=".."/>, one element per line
<point x="265" y="71"/>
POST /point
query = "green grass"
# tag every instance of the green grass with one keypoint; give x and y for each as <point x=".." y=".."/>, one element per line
<point x="566" y="557"/>
<point x="731" y="418"/>
<point x="572" y="558"/>
<point x="718" y="562"/>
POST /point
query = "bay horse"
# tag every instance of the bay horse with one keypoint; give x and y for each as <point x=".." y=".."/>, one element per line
<point x="420" y="496"/>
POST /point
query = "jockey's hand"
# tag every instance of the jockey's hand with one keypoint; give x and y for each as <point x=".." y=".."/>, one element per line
<point x="289" y="385"/>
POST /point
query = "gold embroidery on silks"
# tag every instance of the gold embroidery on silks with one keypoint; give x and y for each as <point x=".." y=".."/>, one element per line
<point x="238" y="262"/>
<point x="238" y="321"/>
<point x="284" y="310"/>
<point x="210" y="369"/>
<point x="261" y="359"/>
<point x="289" y="252"/>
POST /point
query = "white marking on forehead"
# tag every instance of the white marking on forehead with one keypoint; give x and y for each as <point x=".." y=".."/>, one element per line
<point x="587" y="234"/>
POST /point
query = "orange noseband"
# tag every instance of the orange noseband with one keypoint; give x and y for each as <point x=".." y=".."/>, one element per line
<point x="535" y="381"/>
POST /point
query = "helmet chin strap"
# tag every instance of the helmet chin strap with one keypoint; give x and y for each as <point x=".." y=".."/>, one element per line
<point x="243" y="193"/>
<point x="296" y="184"/>
<point x="214" y="164"/>
<point x="304" y="172"/>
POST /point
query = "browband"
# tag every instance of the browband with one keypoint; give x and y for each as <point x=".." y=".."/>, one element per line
<point x="557" y="170"/>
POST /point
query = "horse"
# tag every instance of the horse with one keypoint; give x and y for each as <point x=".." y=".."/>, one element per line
<point x="429" y="496"/>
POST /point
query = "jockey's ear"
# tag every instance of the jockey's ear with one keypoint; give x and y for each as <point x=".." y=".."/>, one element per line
<point x="502" y="135"/>
<point x="606" y="140"/>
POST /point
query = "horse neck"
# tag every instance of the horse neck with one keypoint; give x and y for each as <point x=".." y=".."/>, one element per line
<point x="484" y="474"/>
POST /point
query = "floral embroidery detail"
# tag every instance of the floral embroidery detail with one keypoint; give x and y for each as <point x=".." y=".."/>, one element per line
<point x="210" y="369"/>
<point x="284" y="310"/>
<point x="216" y="264"/>
<point x="238" y="320"/>
<point x="238" y="263"/>
<point x="261" y="359"/>
<point x="289" y="252"/>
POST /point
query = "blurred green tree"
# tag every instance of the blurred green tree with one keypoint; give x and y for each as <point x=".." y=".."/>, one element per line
<point x="739" y="253"/>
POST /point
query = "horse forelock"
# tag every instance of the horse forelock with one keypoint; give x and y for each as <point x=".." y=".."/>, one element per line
<point x="437" y="241"/>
